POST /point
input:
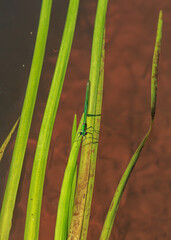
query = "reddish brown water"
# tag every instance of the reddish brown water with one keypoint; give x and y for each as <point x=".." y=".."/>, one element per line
<point x="145" y="209"/>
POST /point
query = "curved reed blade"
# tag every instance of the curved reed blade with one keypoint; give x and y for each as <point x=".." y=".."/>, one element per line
<point x="107" y="227"/>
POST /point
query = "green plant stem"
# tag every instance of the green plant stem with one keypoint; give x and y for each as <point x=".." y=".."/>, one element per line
<point x="84" y="168"/>
<point x="94" y="149"/>
<point x="62" y="220"/>
<point x="40" y="160"/>
<point x="25" y="122"/>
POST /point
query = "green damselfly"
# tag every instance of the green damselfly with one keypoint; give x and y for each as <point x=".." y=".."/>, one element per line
<point x="83" y="131"/>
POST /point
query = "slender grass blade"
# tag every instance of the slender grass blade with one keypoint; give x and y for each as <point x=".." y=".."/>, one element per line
<point x="71" y="204"/>
<point x="61" y="230"/>
<point x="85" y="161"/>
<point x="107" y="227"/>
<point x="94" y="149"/>
<point x="25" y="122"/>
<point x="43" y="144"/>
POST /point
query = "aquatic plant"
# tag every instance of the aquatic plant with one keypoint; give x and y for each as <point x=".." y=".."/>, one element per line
<point x="77" y="189"/>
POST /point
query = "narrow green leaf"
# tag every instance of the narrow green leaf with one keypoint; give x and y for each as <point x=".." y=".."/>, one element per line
<point x="94" y="148"/>
<point x="71" y="204"/>
<point x="61" y="230"/>
<point x="41" y="155"/>
<point x="107" y="227"/>
<point x="154" y="74"/>
<point x="25" y="122"/>
<point x="5" y="143"/>
<point x="74" y="129"/>
<point x="85" y="161"/>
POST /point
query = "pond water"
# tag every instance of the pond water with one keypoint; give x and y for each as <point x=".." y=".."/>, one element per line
<point x="144" y="211"/>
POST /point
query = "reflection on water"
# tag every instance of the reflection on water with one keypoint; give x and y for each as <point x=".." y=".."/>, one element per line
<point x="144" y="211"/>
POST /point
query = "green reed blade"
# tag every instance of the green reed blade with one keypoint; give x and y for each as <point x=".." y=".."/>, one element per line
<point x="61" y="229"/>
<point x="84" y="167"/>
<point x="154" y="74"/>
<point x="74" y="129"/>
<point x="94" y="149"/>
<point x="71" y="204"/>
<point x="107" y="227"/>
<point x="41" y="155"/>
<point x="25" y="122"/>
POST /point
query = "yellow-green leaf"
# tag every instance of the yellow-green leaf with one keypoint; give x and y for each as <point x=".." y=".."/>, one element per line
<point x="4" y="145"/>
